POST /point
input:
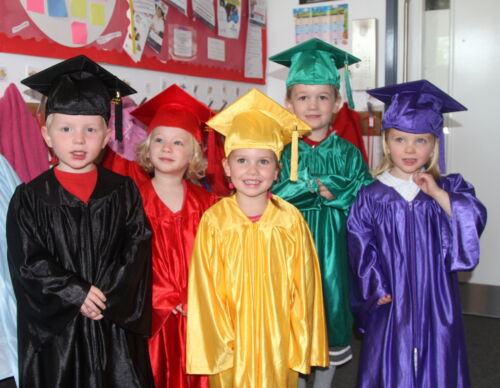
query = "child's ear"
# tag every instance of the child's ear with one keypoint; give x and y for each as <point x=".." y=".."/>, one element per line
<point x="337" y="105"/>
<point x="227" y="169"/>
<point x="278" y="171"/>
<point x="106" y="138"/>
<point x="46" y="137"/>
<point x="289" y="105"/>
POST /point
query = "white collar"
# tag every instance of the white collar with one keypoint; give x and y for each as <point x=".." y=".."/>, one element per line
<point x="408" y="189"/>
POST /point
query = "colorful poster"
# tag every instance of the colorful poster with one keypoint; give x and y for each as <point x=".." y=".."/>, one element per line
<point x="157" y="30"/>
<point x="328" y="23"/>
<point x="137" y="33"/>
<point x="303" y="24"/>
<point x="204" y="10"/>
<point x="229" y="18"/>
<point x="257" y="11"/>
<point x="71" y="23"/>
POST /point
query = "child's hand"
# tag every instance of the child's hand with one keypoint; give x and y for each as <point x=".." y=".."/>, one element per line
<point x="384" y="300"/>
<point x="179" y="310"/>
<point x="323" y="191"/>
<point x="429" y="186"/>
<point x="94" y="304"/>
<point x="427" y="183"/>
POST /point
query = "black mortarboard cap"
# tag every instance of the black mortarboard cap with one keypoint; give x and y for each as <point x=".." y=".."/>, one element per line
<point x="79" y="86"/>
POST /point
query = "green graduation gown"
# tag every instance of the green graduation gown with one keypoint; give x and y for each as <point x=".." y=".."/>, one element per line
<point x="340" y="167"/>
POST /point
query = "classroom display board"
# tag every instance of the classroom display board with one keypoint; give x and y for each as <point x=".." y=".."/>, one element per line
<point x="222" y="39"/>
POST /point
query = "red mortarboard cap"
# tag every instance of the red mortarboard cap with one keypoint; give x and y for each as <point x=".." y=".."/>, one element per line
<point x="174" y="107"/>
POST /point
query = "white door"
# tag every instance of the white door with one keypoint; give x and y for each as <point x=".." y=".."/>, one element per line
<point x="475" y="144"/>
<point x="459" y="50"/>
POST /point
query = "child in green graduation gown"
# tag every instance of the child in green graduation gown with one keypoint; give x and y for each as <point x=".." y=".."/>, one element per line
<point x="330" y="172"/>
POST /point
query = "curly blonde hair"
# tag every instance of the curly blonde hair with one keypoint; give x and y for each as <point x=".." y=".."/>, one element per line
<point x="195" y="170"/>
<point x="432" y="166"/>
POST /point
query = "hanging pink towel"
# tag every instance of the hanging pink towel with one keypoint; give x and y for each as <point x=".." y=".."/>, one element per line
<point x="21" y="141"/>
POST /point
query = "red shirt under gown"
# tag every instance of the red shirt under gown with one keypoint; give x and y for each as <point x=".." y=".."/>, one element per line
<point x="173" y="238"/>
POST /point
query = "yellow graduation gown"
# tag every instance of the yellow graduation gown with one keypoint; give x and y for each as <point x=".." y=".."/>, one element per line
<point x="255" y="304"/>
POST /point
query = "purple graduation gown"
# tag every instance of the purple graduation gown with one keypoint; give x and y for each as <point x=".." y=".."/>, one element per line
<point x="412" y="251"/>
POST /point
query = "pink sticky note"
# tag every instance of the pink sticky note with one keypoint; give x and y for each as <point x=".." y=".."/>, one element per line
<point x="79" y="33"/>
<point x="35" y="6"/>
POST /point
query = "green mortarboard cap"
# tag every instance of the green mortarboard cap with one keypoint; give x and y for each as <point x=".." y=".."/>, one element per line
<point x="79" y="86"/>
<point x="315" y="62"/>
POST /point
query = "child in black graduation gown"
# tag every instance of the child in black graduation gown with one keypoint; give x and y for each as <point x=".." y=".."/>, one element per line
<point x="79" y="247"/>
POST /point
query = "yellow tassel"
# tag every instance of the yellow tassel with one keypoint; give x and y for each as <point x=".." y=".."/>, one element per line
<point x="295" y="155"/>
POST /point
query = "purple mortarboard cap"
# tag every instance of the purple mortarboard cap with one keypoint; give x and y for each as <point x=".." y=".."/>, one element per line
<point x="417" y="107"/>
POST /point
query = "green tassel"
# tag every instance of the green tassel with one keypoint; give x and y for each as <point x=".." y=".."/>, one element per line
<point x="348" y="89"/>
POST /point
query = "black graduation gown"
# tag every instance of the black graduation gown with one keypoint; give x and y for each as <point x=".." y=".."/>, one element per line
<point x="58" y="247"/>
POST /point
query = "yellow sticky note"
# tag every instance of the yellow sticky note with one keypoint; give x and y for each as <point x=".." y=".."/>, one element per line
<point x="78" y="9"/>
<point x="97" y="14"/>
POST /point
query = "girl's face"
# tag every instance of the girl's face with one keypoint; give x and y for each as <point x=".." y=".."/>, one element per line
<point x="252" y="171"/>
<point x="171" y="150"/>
<point x="409" y="152"/>
<point x="317" y="105"/>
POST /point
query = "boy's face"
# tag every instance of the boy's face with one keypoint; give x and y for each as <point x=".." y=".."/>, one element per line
<point x="315" y="104"/>
<point x="76" y="140"/>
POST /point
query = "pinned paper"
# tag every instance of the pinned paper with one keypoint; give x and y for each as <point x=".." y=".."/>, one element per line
<point x="97" y="15"/>
<point x="79" y="9"/>
<point x="79" y="33"/>
<point x="35" y="6"/>
<point x="57" y="8"/>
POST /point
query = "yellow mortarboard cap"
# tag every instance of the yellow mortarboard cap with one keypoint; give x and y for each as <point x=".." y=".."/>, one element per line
<point x="257" y="121"/>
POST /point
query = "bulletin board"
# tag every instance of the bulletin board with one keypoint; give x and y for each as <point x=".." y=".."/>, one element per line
<point x="100" y="29"/>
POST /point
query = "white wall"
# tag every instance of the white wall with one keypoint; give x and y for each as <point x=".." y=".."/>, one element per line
<point x="147" y="83"/>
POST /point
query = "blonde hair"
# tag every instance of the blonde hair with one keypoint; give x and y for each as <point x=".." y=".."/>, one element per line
<point x="50" y="118"/>
<point x="431" y="167"/>
<point x="197" y="165"/>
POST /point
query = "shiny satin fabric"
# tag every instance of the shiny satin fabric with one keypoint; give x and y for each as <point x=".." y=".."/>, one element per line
<point x="412" y="251"/>
<point x="8" y="311"/>
<point x="173" y="238"/>
<point x="57" y="248"/>
<point x="340" y="167"/>
<point x="255" y="300"/>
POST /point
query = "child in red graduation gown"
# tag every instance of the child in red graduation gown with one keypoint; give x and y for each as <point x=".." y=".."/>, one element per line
<point x="174" y="207"/>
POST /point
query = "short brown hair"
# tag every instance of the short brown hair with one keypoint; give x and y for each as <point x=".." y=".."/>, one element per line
<point x="289" y="90"/>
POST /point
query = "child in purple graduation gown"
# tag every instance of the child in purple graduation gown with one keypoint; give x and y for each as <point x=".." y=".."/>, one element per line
<point x="410" y="232"/>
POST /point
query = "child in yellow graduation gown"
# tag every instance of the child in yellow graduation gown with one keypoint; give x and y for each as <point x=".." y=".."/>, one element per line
<point x="255" y="316"/>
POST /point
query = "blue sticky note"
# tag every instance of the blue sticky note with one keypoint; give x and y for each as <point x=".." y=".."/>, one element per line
<point x="57" y="8"/>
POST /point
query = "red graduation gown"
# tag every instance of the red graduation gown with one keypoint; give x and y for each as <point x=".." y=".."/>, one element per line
<point x="173" y="237"/>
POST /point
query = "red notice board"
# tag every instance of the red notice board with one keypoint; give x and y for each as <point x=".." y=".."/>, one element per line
<point x="32" y="33"/>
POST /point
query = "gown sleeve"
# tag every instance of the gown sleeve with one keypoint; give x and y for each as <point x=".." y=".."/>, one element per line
<point x="370" y="282"/>
<point x="48" y="295"/>
<point x="126" y="282"/>
<point x="343" y="182"/>
<point x="210" y="329"/>
<point x="308" y="340"/>
<point x="303" y="193"/>
<point x="465" y="225"/>
<point x="344" y="185"/>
